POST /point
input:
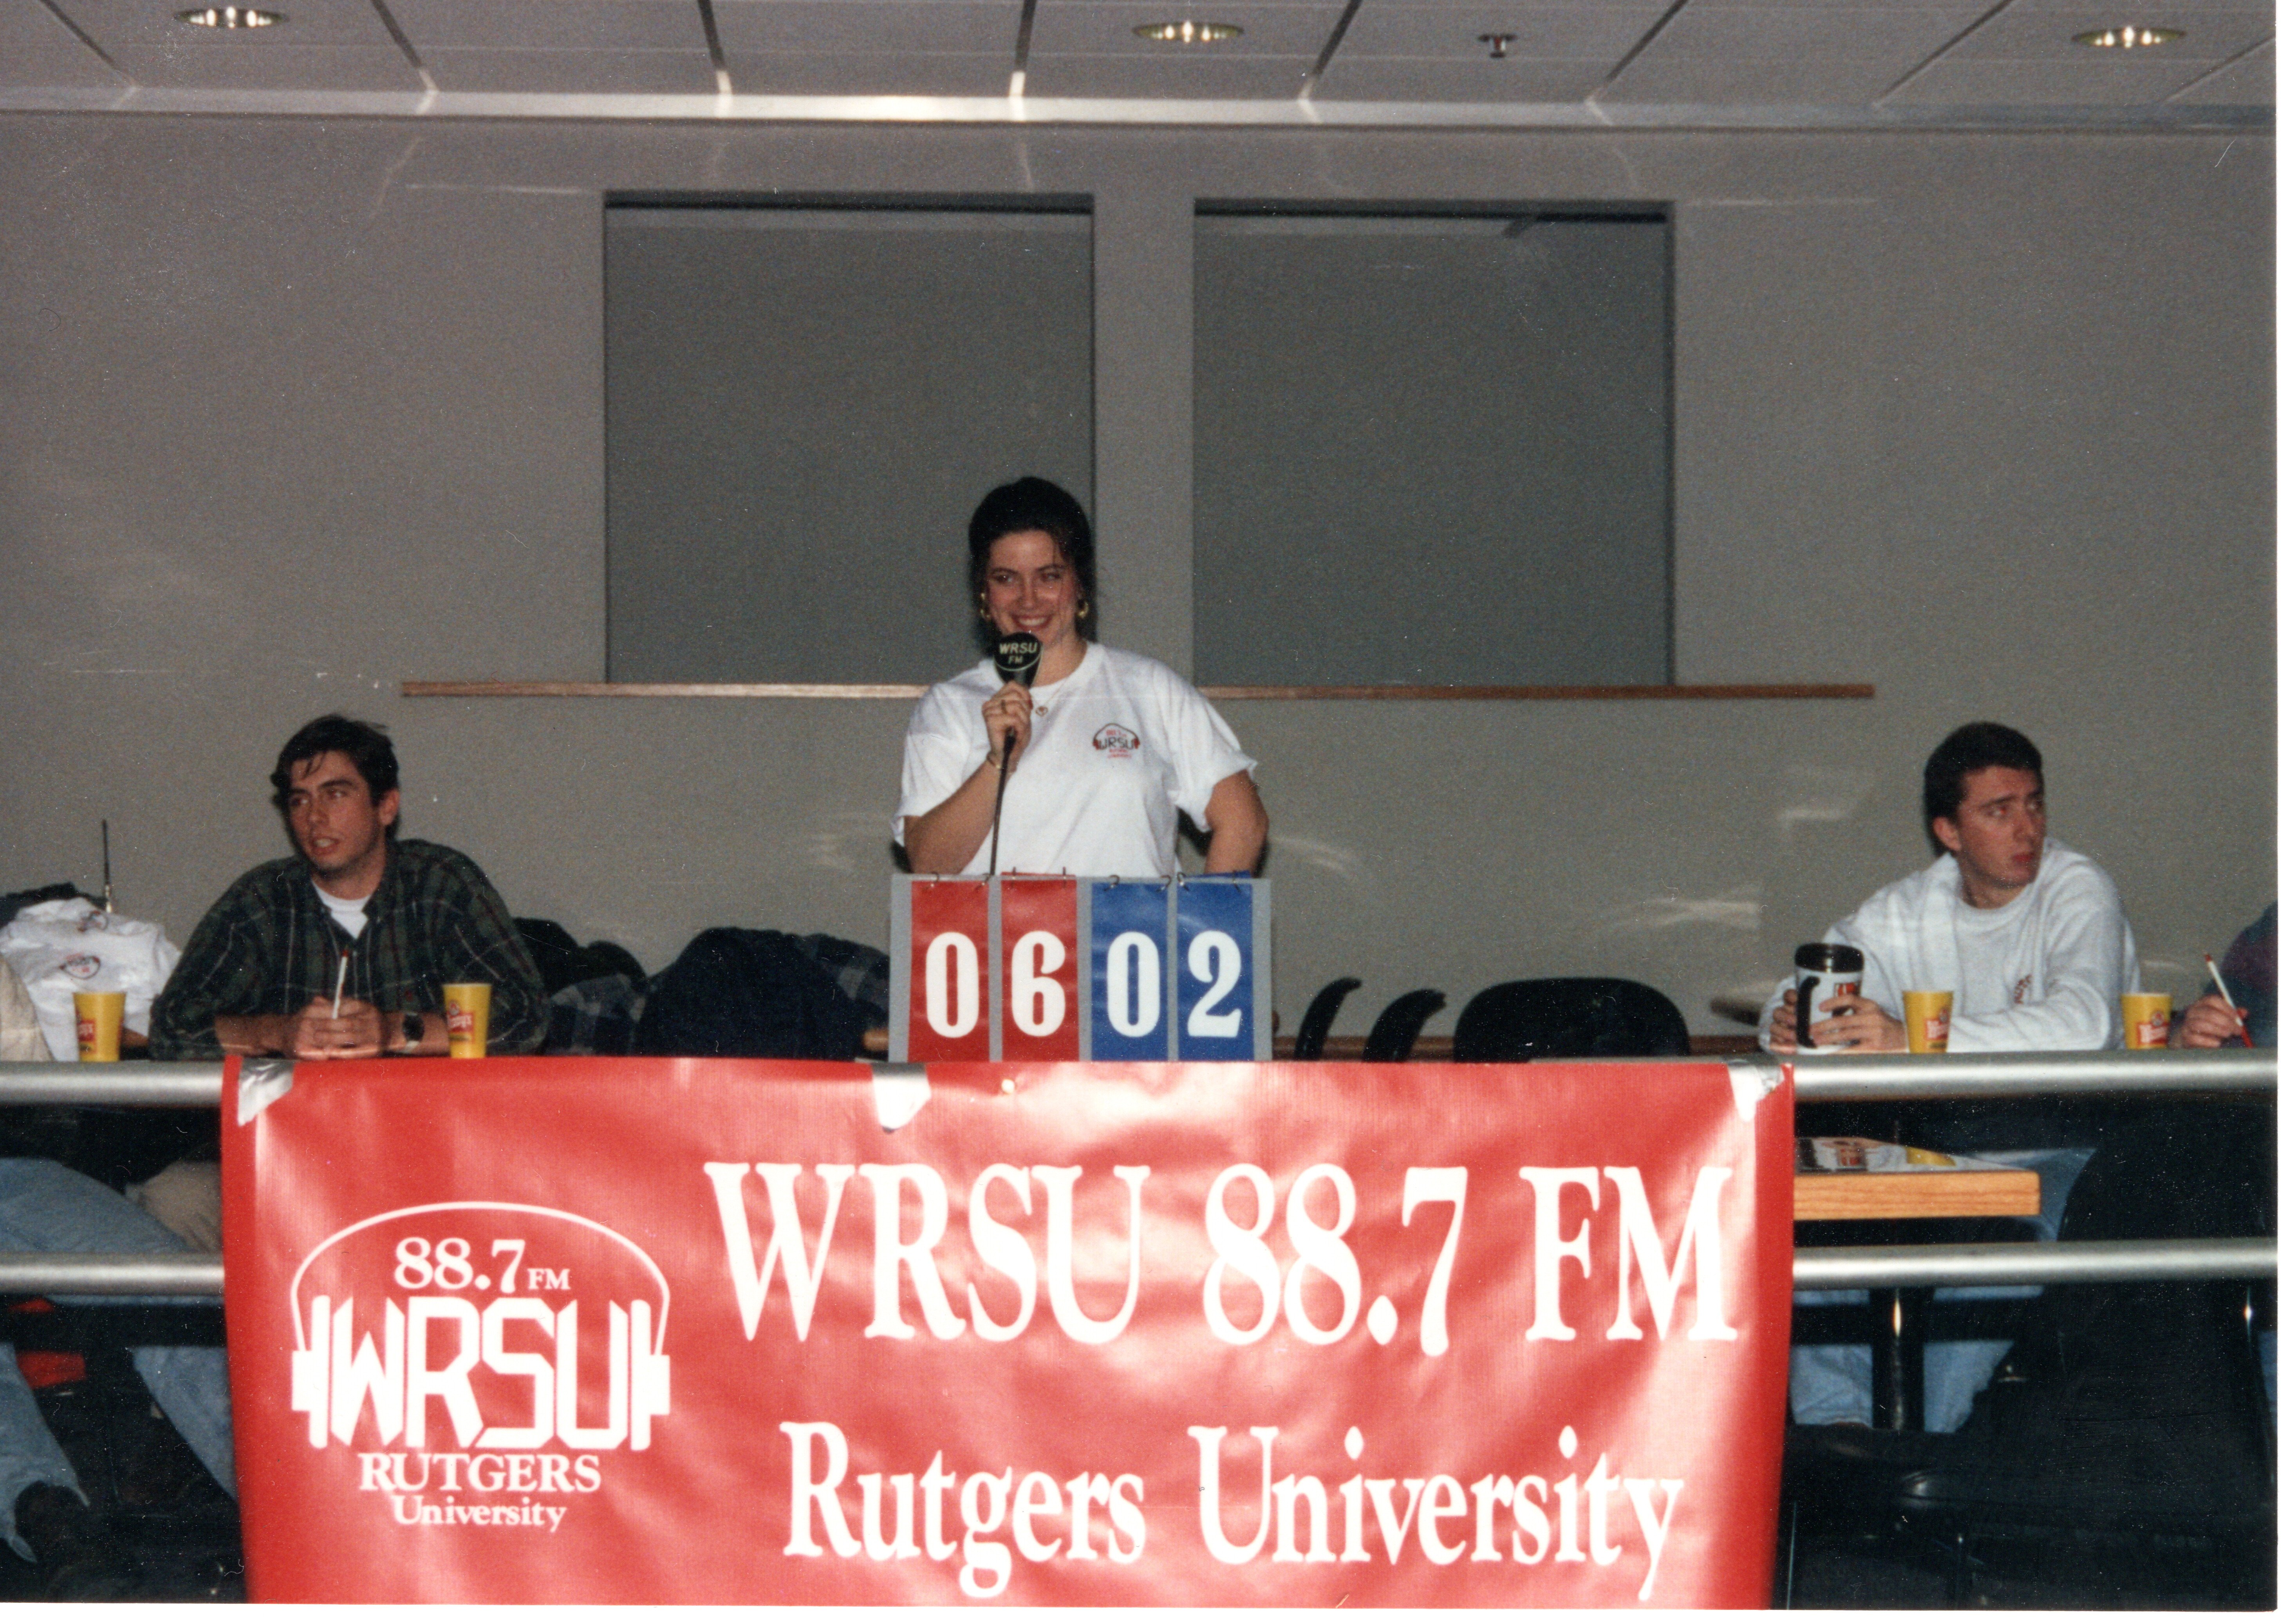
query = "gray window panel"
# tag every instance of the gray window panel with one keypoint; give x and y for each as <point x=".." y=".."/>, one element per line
<point x="1432" y="450"/>
<point x="804" y="407"/>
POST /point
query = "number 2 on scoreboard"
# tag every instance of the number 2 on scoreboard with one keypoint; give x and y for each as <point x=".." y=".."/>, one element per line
<point x="1217" y="990"/>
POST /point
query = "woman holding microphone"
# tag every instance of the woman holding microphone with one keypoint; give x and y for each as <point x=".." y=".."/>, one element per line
<point x="1107" y="748"/>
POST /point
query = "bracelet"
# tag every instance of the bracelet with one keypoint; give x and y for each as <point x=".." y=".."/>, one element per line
<point x="995" y="762"/>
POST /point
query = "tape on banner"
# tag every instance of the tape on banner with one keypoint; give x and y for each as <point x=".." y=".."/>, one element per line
<point x="262" y="1084"/>
<point x="898" y="1092"/>
<point x="1753" y="1078"/>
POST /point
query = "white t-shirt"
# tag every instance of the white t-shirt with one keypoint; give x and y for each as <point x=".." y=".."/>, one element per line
<point x="348" y="912"/>
<point x="1118" y="750"/>
<point x="2043" y="972"/>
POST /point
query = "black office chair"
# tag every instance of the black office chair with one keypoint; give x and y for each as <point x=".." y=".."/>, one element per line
<point x="1568" y="1017"/>
<point x="1395" y="1034"/>
<point x="1315" y="1026"/>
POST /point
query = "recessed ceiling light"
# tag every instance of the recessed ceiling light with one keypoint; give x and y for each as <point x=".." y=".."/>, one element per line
<point x="1188" y="32"/>
<point x="2128" y="37"/>
<point x="230" y="16"/>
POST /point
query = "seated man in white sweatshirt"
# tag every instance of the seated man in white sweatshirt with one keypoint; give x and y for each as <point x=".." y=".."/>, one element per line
<point x="2029" y="937"/>
<point x="2027" y="933"/>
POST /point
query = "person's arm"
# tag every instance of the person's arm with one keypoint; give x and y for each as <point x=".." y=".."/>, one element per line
<point x="2210" y="1022"/>
<point x="359" y="1031"/>
<point x="1860" y="1025"/>
<point x="943" y="838"/>
<point x="220" y="972"/>
<point x="1238" y="821"/>
<point x="2087" y="964"/>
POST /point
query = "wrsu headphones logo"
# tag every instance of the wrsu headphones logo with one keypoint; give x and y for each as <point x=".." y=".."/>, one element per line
<point x="478" y="1357"/>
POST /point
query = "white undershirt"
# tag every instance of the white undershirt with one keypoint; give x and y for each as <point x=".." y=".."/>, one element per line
<point x="348" y="910"/>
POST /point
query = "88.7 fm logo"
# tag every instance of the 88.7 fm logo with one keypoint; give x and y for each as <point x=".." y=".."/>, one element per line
<point x="461" y="1333"/>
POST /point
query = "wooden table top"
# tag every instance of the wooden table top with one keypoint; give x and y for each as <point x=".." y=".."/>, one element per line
<point x="1925" y="1193"/>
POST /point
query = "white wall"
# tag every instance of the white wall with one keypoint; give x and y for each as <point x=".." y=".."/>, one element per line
<point x="291" y="411"/>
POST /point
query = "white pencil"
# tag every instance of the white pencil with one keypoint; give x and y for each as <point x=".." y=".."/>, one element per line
<point x="340" y="980"/>
<point x="2225" y="993"/>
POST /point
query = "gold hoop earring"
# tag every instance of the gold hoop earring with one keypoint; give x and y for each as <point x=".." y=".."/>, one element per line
<point x="1085" y="610"/>
<point x="982" y="612"/>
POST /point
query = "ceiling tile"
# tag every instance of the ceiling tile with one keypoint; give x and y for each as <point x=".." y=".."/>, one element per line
<point x="1689" y="81"/>
<point x="572" y="73"/>
<point x="45" y="66"/>
<point x="25" y="22"/>
<point x="111" y="23"/>
<point x="1854" y="34"/>
<point x="928" y="27"/>
<point x="284" y="68"/>
<point x="2171" y="11"/>
<point x="2049" y="36"/>
<point x="1221" y="79"/>
<point x="1411" y="79"/>
<point x="870" y="74"/>
<point x="2246" y="83"/>
<point x="556" y="24"/>
<point x="1104" y="28"/>
<point x="1601" y="33"/>
<point x="2066" y="83"/>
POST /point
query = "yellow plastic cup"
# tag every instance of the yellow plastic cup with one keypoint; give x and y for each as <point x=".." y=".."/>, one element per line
<point x="100" y="1017"/>
<point x="2146" y="1020"/>
<point x="468" y="1018"/>
<point x="1927" y="1014"/>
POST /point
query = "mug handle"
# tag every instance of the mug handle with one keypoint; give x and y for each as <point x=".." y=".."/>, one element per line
<point x="1805" y="1010"/>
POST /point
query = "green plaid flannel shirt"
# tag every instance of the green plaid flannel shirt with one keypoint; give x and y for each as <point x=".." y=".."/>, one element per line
<point x="269" y="945"/>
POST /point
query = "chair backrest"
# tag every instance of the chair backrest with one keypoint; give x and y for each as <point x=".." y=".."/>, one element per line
<point x="1315" y="1026"/>
<point x="1568" y="1017"/>
<point x="1395" y="1032"/>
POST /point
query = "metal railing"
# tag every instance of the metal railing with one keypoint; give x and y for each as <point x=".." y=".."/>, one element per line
<point x="1823" y="1079"/>
<point x="1819" y="1078"/>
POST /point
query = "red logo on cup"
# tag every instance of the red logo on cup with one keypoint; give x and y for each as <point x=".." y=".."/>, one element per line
<point x="460" y="1019"/>
<point x="85" y="1032"/>
<point x="2153" y="1034"/>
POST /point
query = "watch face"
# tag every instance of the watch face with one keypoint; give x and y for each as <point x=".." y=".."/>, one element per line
<point x="414" y="1029"/>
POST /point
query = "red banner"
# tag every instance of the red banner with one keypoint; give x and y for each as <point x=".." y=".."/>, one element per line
<point x="709" y="1332"/>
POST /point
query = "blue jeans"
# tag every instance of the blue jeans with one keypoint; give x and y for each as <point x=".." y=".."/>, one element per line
<point x="45" y="1207"/>
<point x="1830" y="1382"/>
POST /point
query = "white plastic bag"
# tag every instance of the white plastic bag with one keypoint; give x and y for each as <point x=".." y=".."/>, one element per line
<point x="59" y="949"/>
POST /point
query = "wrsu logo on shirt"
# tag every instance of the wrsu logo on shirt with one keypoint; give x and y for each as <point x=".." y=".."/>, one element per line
<point x="1117" y="741"/>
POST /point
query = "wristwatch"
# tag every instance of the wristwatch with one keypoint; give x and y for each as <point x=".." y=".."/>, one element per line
<point x="414" y="1029"/>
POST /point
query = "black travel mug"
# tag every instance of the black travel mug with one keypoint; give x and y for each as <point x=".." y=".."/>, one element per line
<point x="1825" y="968"/>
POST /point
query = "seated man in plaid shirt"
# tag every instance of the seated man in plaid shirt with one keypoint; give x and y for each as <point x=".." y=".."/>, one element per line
<point x="387" y="921"/>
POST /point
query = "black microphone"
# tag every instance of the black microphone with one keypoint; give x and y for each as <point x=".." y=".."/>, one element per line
<point x="1016" y="655"/>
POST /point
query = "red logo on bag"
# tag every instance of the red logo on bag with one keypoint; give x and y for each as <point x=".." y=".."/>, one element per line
<point x="83" y="966"/>
<point x="479" y="1360"/>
